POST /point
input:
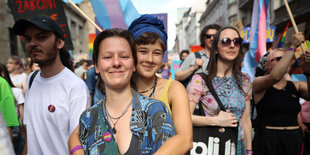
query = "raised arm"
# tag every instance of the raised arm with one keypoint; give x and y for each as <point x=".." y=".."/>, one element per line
<point x="183" y="140"/>
<point x="260" y="84"/>
<point x="303" y="87"/>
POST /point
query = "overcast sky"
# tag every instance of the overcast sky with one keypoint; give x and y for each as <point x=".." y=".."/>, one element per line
<point x="163" y="6"/>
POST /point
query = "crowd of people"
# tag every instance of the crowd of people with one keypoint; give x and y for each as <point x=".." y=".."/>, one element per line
<point x="117" y="104"/>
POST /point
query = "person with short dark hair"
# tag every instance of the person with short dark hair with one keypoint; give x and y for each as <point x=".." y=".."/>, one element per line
<point x="82" y="68"/>
<point x="193" y="65"/>
<point x="151" y="43"/>
<point x="184" y="54"/>
<point x="55" y="97"/>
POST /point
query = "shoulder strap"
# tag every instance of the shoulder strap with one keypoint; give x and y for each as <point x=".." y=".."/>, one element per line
<point x="32" y="77"/>
<point x="197" y="55"/>
<point x="219" y="102"/>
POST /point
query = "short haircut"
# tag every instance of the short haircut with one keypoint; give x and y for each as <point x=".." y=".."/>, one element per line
<point x="150" y="38"/>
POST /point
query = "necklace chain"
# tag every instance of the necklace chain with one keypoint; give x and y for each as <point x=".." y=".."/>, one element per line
<point x="117" y="118"/>
<point x="152" y="88"/>
<point x="144" y="91"/>
<point x="123" y="113"/>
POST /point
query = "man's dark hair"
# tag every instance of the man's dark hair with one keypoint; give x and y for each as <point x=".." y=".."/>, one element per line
<point x="184" y="51"/>
<point x="65" y="58"/>
<point x="204" y="31"/>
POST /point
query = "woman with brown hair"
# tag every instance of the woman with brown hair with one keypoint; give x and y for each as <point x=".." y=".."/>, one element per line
<point x="232" y="87"/>
<point x="124" y="121"/>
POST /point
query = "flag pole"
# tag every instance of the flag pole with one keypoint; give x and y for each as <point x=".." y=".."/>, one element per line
<point x="293" y="22"/>
<point x="83" y="14"/>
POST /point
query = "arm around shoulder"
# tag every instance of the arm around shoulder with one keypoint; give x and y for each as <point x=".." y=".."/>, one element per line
<point x="159" y="125"/>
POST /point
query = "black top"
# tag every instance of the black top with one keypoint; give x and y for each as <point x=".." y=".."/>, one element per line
<point x="279" y="107"/>
<point x="134" y="143"/>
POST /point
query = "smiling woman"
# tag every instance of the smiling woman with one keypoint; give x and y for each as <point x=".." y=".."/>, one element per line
<point x="151" y="42"/>
<point x="124" y="121"/>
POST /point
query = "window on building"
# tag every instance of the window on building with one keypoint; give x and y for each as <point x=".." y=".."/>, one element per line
<point x="232" y="19"/>
<point x="13" y="42"/>
<point x="231" y="1"/>
<point x="73" y="29"/>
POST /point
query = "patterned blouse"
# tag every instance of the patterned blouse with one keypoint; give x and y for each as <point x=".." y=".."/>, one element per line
<point x="227" y="90"/>
<point x="150" y="121"/>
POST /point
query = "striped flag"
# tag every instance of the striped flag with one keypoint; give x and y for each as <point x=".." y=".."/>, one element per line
<point x="281" y="39"/>
<point x="74" y="1"/>
<point x="257" y="38"/>
<point x="114" y="13"/>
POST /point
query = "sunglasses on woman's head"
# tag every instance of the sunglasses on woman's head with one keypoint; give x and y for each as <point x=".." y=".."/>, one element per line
<point x="227" y="41"/>
<point x="276" y="58"/>
<point x="208" y="36"/>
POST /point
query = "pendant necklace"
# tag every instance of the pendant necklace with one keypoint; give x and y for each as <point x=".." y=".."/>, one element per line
<point x="117" y="118"/>
<point x="152" y="88"/>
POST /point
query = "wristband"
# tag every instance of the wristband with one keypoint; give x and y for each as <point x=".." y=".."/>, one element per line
<point x="291" y="49"/>
<point x="249" y="151"/>
<point x="75" y="149"/>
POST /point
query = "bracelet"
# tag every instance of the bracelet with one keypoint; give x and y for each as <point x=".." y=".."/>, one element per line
<point x="75" y="149"/>
<point x="249" y="151"/>
<point x="291" y="49"/>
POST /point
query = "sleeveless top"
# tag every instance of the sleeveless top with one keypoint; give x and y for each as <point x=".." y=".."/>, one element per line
<point x="164" y="96"/>
<point x="279" y="107"/>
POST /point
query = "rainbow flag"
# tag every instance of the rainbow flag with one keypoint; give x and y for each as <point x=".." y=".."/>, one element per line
<point x="91" y="40"/>
<point x="257" y="38"/>
<point x="281" y="39"/>
<point x="114" y="13"/>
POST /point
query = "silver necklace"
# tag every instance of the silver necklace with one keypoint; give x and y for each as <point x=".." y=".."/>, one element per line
<point x="117" y="118"/>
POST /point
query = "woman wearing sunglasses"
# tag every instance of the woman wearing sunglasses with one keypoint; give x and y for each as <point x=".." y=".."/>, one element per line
<point x="232" y="87"/>
<point x="277" y="100"/>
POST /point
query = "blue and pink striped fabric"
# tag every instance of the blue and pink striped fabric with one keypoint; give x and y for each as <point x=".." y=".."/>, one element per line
<point x="257" y="38"/>
<point x="114" y="13"/>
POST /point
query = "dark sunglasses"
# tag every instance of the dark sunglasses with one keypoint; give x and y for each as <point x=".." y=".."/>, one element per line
<point x="276" y="58"/>
<point x="227" y="41"/>
<point x="208" y="36"/>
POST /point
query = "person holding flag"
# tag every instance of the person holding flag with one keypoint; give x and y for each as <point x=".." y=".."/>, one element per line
<point x="277" y="101"/>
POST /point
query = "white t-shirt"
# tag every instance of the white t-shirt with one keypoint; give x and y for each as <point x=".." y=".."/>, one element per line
<point x="19" y="79"/>
<point x="52" y="110"/>
<point x="19" y="97"/>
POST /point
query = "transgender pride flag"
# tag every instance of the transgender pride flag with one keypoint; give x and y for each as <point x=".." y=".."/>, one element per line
<point x="114" y="13"/>
<point x="257" y="38"/>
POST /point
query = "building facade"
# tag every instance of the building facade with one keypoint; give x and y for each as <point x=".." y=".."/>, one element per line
<point x="230" y="12"/>
<point x="11" y="43"/>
